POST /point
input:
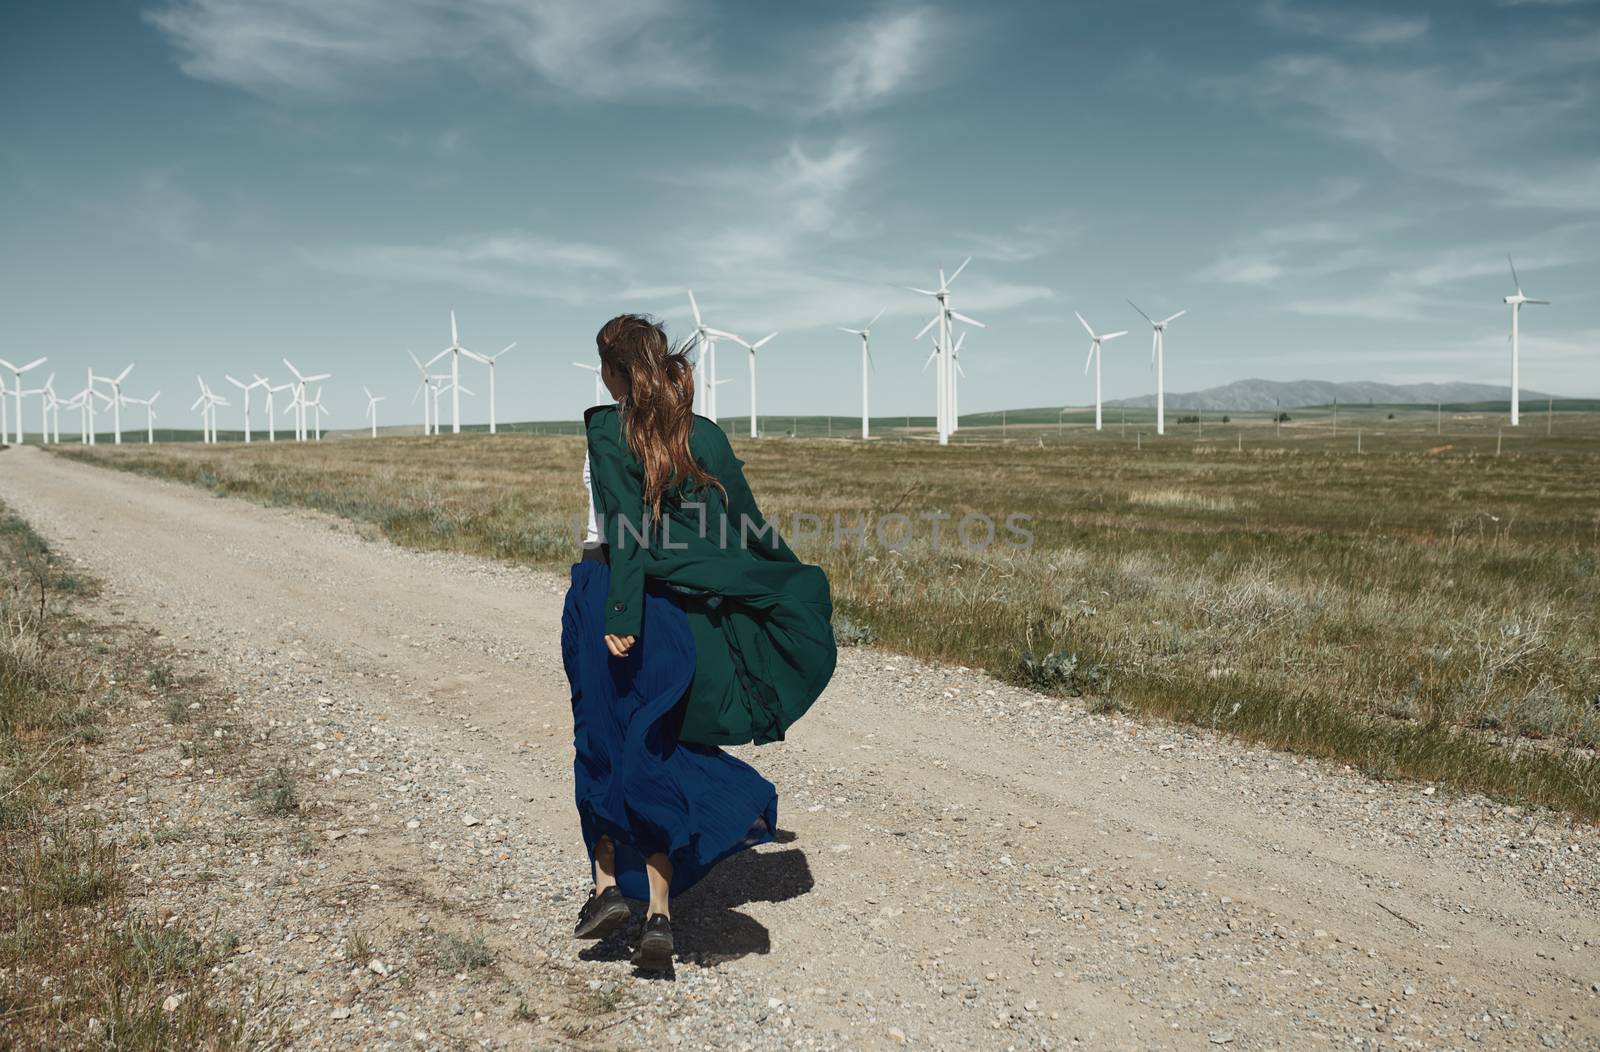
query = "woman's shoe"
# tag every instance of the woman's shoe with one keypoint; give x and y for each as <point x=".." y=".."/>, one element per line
<point x="655" y="944"/>
<point x="603" y="914"/>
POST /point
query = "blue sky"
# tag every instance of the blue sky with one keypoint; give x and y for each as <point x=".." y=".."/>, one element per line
<point x="1329" y="189"/>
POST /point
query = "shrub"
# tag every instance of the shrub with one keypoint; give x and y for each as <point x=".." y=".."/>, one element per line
<point x="1063" y="673"/>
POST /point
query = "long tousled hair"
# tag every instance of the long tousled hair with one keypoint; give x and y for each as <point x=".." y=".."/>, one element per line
<point x="658" y="410"/>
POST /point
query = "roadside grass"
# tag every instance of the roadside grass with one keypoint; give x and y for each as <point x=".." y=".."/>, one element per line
<point x="78" y="967"/>
<point x="1422" y="610"/>
<point x="457" y="953"/>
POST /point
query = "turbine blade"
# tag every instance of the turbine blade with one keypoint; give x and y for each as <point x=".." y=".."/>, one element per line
<point x="436" y="357"/>
<point x="1545" y="302"/>
<point x="453" y="338"/>
<point x="292" y="369"/>
<point x="875" y="318"/>
<point x="695" y="307"/>
<point x="932" y="322"/>
<point x="925" y="292"/>
<point x="931" y="356"/>
<point x="1515" y="280"/>
<point x="33" y="364"/>
<point x="1175" y="317"/>
<point x="762" y="342"/>
<point x="1087" y="361"/>
<point x="1142" y="314"/>
<point x="959" y="269"/>
<point x="958" y="316"/>
<point x="1085" y="326"/>
<point x="1113" y="335"/>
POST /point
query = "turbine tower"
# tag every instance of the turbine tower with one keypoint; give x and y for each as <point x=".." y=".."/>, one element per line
<point x="423" y="392"/>
<point x="247" y="388"/>
<point x="1094" y="359"/>
<point x="1516" y="301"/>
<point x="372" y="408"/>
<point x="753" y="348"/>
<point x="944" y="382"/>
<point x="705" y="339"/>
<point x="16" y="387"/>
<point x="489" y="360"/>
<point x="455" y="351"/>
<point x="299" y="403"/>
<point x="207" y="403"/>
<point x="865" y="332"/>
<point x="272" y="408"/>
<point x="1158" y="358"/>
<point x="599" y="385"/>
<point x="115" y="383"/>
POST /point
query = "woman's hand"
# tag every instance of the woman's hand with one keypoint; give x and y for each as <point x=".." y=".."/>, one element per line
<point x="619" y="645"/>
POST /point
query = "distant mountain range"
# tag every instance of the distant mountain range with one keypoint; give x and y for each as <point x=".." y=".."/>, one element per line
<point x="1265" y="394"/>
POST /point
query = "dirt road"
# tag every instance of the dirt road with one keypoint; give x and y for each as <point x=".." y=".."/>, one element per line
<point x="972" y="866"/>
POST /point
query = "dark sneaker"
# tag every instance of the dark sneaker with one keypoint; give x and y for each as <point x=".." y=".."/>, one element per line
<point x="602" y="914"/>
<point x="655" y="945"/>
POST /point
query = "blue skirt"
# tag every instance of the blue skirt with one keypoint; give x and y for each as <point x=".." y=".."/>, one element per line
<point x="636" y="782"/>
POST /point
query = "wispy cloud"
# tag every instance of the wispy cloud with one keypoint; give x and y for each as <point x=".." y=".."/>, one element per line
<point x="878" y="57"/>
<point x="509" y="263"/>
<point x="1345" y="25"/>
<point x="602" y="49"/>
<point x="1497" y="121"/>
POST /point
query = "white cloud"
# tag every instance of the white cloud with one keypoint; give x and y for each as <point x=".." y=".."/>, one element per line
<point x="878" y="57"/>
<point x="1343" y="24"/>
<point x="1500" y="121"/>
<point x="602" y="49"/>
<point x="510" y="263"/>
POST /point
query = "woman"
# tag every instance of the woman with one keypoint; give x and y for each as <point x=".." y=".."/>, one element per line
<point x="689" y="625"/>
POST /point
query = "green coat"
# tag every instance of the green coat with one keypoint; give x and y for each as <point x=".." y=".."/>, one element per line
<point x="761" y="618"/>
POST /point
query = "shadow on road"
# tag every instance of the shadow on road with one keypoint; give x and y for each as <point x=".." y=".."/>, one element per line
<point x="707" y="925"/>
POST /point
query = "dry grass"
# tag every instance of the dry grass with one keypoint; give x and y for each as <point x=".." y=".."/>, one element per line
<point x="78" y="969"/>
<point x="1423" y="610"/>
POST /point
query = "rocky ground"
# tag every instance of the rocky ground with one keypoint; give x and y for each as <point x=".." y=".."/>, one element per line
<point x="966" y="865"/>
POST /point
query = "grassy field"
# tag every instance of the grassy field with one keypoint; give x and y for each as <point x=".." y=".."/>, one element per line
<point x="79" y="967"/>
<point x="1426" y="608"/>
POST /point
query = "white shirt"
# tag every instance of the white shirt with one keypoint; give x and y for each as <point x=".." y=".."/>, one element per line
<point x="591" y="534"/>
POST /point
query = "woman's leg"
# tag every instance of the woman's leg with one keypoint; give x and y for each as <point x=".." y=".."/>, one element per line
<point x="659" y="868"/>
<point x="605" y="865"/>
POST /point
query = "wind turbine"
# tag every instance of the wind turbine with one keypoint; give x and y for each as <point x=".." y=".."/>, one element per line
<point x="207" y="403"/>
<point x="1094" y="358"/>
<point x="43" y="391"/>
<point x="272" y="423"/>
<point x="424" y="390"/>
<point x="1516" y="301"/>
<point x="115" y="383"/>
<point x="441" y="384"/>
<point x="52" y="410"/>
<point x="88" y="404"/>
<point x="1158" y="358"/>
<point x="455" y="351"/>
<point x="489" y="360"/>
<point x="753" y="348"/>
<point x="247" y="388"/>
<point x="705" y="338"/>
<point x="944" y="383"/>
<point x="599" y="386"/>
<point x="318" y="412"/>
<point x="16" y="386"/>
<point x="149" y="416"/>
<point x="299" y="400"/>
<point x="865" y="332"/>
<point x="372" y="409"/>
